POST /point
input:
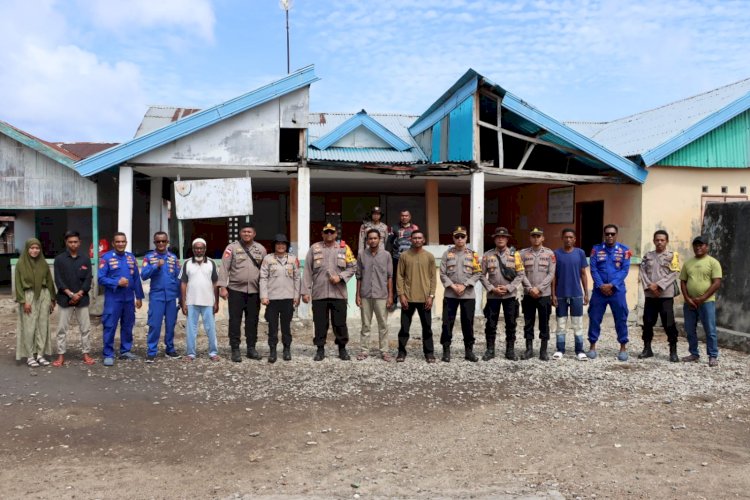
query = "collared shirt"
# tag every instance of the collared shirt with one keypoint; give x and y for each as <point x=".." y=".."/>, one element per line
<point x="492" y="273"/>
<point x="416" y="275"/>
<point x="240" y="267"/>
<point x="460" y="267"/>
<point x="201" y="279"/>
<point x="610" y="265"/>
<point x="165" y="282"/>
<point x="381" y="228"/>
<point x="279" y="277"/>
<point x="112" y="267"/>
<point x="74" y="274"/>
<point x="660" y="268"/>
<point x="374" y="272"/>
<point x="539" y="269"/>
<point x="324" y="261"/>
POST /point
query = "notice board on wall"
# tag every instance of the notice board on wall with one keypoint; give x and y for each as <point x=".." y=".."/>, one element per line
<point x="561" y="205"/>
<point x="209" y="198"/>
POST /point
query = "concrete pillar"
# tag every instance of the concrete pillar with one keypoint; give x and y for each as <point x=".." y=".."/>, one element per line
<point x="155" y="207"/>
<point x="303" y="211"/>
<point x="433" y="211"/>
<point x="293" y="211"/>
<point x="125" y="203"/>
<point x="477" y="224"/>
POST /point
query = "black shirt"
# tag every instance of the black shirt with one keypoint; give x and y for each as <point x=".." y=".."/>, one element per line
<point x="74" y="274"/>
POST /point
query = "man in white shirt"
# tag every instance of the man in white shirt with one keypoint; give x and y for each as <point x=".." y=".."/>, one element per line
<point x="200" y="297"/>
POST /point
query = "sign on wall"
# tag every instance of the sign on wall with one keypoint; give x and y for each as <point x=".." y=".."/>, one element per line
<point x="561" y="205"/>
<point x="207" y="198"/>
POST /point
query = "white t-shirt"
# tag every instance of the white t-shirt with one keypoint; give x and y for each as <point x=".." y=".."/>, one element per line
<point x="201" y="279"/>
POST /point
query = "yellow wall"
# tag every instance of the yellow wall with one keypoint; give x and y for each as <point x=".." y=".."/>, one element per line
<point x="672" y="201"/>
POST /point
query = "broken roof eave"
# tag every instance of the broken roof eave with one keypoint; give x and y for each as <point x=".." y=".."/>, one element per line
<point x="361" y="119"/>
<point x="198" y="121"/>
<point x="696" y="131"/>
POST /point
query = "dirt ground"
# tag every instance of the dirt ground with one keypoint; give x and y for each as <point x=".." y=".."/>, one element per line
<point x="601" y="429"/>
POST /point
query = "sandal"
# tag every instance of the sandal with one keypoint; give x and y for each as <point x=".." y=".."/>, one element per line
<point x="361" y="356"/>
<point x="32" y="362"/>
<point x="215" y="357"/>
<point x="42" y="360"/>
<point x="387" y="357"/>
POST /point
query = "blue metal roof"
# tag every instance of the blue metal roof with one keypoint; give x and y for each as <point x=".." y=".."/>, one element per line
<point x="322" y="125"/>
<point x="527" y="117"/>
<point x="655" y="134"/>
<point x="140" y="145"/>
<point x="361" y="119"/>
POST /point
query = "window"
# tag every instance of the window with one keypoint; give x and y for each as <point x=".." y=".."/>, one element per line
<point x="289" y="141"/>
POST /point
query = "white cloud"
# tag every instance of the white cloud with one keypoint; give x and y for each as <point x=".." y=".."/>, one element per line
<point x="125" y="16"/>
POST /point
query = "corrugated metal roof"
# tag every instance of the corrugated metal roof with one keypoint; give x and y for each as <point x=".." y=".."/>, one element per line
<point x="85" y="149"/>
<point x="159" y="116"/>
<point x="644" y="132"/>
<point x="196" y="121"/>
<point x="48" y="149"/>
<point x="322" y="124"/>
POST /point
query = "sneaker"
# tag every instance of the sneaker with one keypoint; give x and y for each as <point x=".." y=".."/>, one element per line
<point x="622" y="356"/>
<point x="592" y="354"/>
<point x="128" y="356"/>
<point x="713" y="362"/>
<point x="150" y="359"/>
<point x="108" y="361"/>
<point x="172" y="355"/>
<point x="558" y="355"/>
<point x="581" y="356"/>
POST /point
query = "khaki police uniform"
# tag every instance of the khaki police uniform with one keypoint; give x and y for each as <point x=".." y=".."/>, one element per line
<point x="663" y="269"/>
<point x="539" y="271"/>
<point x="280" y="283"/>
<point x="459" y="267"/>
<point x="492" y="276"/>
<point x="240" y="275"/>
<point x="382" y="229"/>
<point x="328" y="299"/>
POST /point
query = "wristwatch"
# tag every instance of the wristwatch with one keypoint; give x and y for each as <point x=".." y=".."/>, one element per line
<point x="432" y="296"/>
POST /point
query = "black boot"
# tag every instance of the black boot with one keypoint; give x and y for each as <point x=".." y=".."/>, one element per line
<point x="647" y="352"/>
<point x="272" y="354"/>
<point x="470" y="356"/>
<point x="529" y="352"/>
<point x="236" y="356"/>
<point x="446" y="353"/>
<point x="490" y="352"/>
<point x="320" y="354"/>
<point x="510" y="352"/>
<point x="343" y="355"/>
<point x="673" y="352"/>
<point x="543" y="351"/>
<point x="287" y="354"/>
<point x="253" y="354"/>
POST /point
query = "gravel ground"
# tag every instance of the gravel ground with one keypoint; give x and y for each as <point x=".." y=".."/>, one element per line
<point x="498" y="429"/>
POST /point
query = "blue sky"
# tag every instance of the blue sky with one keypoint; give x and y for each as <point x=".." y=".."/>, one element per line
<point x="87" y="69"/>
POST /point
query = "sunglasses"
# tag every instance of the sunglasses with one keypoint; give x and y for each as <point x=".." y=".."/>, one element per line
<point x="328" y="231"/>
<point x="610" y="234"/>
<point x="459" y="236"/>
<point x="160" y="241"/>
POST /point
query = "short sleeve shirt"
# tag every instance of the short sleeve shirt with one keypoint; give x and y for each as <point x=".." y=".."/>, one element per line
<point x="698" y="275"/>
<point x="568" y="272"/>
<point x="201" y="278"/>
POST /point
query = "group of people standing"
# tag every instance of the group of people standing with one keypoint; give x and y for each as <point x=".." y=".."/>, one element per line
<point x="392" y="269"/>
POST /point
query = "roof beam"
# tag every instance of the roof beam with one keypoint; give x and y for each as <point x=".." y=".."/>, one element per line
<point x="551" y="177"/>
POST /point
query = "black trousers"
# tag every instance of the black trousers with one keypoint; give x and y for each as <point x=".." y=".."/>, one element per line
<point x="249" y="304"/>
<point x="395" y="277"/>
<point x="335" y="309"/>
<point x="492" y="313"/>
<point x="450" y="309"/>
<point x="283" y="310"/>
<point x="531" y="307"/>
<point x="425" y="318"/>
<point x="657" y="307"/>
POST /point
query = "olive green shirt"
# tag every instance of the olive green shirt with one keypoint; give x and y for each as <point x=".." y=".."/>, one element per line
<point x="416" y="275"/>
<point x="698" y="275"/>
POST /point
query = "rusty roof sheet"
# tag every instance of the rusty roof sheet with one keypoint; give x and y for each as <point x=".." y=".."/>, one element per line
<point x="47" y="148"/>
<point x="157" y="117"/>
<point x="85" y="149"/>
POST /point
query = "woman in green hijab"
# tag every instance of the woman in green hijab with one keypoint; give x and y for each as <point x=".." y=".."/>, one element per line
<point x="35" y="289"/>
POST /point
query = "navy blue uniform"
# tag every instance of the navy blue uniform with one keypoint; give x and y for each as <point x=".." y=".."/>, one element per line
<point x="119" y="301"/>
<point x="609" y="265"/>
<point x="162" y="297"/>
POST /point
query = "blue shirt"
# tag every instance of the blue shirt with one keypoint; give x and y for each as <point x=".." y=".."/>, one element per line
<point x="165" y="280"/>
<point x="610" y="265"/>
<point x="568" y="272"/>
<point x="112" y="267"/>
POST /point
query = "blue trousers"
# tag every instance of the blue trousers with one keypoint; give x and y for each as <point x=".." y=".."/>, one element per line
<point x="706" y="313"/>
<point x="619" y="307"/>
<point x="122" y="312"/>
<point x="160" y="311"/>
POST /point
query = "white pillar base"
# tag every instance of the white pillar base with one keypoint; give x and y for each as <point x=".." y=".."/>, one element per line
<point x="477" y="224"/>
